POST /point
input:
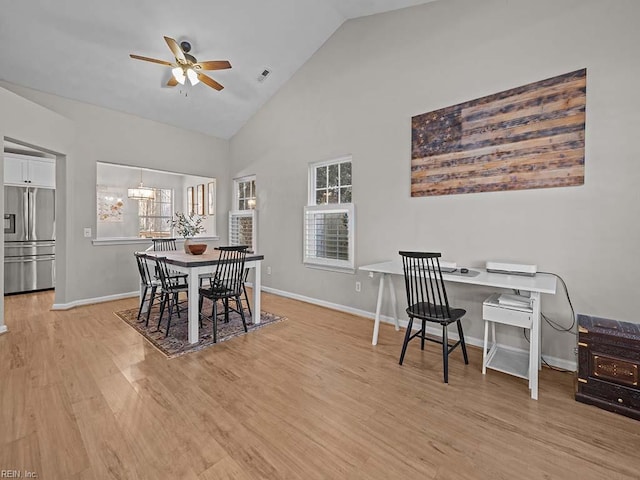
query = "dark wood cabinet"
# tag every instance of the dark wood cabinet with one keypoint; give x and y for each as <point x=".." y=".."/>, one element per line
<point x="609" y="364"/>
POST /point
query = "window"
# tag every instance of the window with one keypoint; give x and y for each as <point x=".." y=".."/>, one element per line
<point x="242" y="220"/>
<point x="245" y="189"/>
<point x="329" y="216"/>
<point x="241" y="228"/>
<point x="154" y="215"/>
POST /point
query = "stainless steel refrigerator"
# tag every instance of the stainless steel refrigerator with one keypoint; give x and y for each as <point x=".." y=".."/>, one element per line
<point x="29" y="239"/>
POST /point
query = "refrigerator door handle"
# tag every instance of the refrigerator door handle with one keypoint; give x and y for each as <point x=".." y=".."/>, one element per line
<point x="32" y="215"/>
<point x="25" y="213"/>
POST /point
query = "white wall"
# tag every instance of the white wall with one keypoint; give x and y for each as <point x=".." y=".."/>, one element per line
<point x="104" y="135"/>
<point x="357" y="95"/>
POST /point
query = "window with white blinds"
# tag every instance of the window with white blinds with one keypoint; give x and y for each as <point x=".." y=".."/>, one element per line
<point x="328" y="238"/>
<point x="329" y="216"/>
<point x="242" y="228"/>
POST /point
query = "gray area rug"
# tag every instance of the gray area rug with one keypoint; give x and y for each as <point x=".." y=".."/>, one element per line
<point x="177" y="343"/>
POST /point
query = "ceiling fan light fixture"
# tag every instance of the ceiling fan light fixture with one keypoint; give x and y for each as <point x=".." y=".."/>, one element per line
<point x="193" y="76"/>
<point x="187" y="66"/>
<point x="178" y="74"/>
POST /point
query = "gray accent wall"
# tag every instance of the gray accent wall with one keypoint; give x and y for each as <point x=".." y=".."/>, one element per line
<point x="357" y="95"/>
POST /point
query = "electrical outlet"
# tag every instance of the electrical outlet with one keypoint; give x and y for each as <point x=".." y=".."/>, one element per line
<point x="575" y="350"/>
<point x="268" y="270"/>
<point x="87" y="233"/>
<point x="358" y="286"/>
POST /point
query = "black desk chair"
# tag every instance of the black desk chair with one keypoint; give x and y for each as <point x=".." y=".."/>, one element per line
<point x="428" y="302"/>
<point x="226" y="284"/>
<point x="171" y="286"/>
<point x="149" y="283"/>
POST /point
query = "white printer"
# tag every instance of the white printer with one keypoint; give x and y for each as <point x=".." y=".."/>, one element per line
<point x="511" y="268"/>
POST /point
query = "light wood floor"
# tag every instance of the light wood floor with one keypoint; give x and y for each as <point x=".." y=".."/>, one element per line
<point x="83" y="396"/>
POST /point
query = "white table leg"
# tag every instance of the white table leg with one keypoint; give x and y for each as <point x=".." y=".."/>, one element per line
<point x="376" y="324"/>
<point x="193" y="306"/>
<point x="257" y="286"/>
<point x="394" y="303"/>
<point x="534" y="346"/>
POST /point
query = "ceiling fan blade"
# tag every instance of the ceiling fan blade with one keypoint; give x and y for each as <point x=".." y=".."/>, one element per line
<point x="175" y="49"/>
<point x="213" y="65"/>
<point x="153" y="60"/>
<point x="172" y="82"/>
<point x="209" y="81"/>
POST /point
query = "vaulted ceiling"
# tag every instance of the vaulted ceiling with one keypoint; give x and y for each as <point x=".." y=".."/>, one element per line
<point x="79" y="49"/>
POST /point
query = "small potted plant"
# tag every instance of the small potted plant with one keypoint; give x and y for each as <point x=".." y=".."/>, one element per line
<point x="188" y="226"/>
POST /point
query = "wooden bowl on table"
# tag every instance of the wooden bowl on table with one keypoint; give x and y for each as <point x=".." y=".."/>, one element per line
<point x="197" y="248"/>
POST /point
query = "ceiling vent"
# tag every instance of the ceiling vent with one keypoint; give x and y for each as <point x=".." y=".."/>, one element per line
<point x="264" y="74"/>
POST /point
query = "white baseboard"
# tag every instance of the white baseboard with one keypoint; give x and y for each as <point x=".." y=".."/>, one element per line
<point x="324" y="303"/>
<point x="478" y="342"/>
<point x="3" y="329"/>
<point x="89" y="301"/>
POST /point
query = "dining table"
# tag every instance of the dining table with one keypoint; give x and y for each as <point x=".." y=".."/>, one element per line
<point x="195" y="266"/>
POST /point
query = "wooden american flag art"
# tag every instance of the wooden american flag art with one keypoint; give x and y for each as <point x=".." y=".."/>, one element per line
<point x="527" y="137"/>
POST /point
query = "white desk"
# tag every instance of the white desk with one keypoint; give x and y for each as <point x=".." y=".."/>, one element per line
<point x="196" y="265"/>
<point x="540" y="283"/>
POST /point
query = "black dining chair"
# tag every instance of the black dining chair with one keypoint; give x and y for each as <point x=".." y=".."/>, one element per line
<point x="167" y="245"/>
<point x="163" y="244"/>
<point x="149" y="284"/>
<point x="226" y="284"/>
<point x="244" y="280"/>
<point x="427" y="301"/>
<point x="171" y="287"/>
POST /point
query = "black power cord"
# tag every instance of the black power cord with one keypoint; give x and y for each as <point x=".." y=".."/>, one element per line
<point x="555" y="325"/>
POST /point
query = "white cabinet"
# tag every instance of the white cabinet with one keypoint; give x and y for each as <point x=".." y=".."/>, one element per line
<point x="30" y="171"/>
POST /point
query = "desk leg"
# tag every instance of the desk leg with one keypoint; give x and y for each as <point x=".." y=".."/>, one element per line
<point x="394" y="303"/>
<point x="193" y="307"/>
<point x="376" y="324"/>
<point x="257" y="286"/>
<point x="534" y="346"/>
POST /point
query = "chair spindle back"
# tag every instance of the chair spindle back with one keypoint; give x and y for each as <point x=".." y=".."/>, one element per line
<point x="166" y="279"/>
<point x="163" y="244"/>
<point x="143" y="269"/>
<point x="426" y="294"/>
<point x="230" y="269"/>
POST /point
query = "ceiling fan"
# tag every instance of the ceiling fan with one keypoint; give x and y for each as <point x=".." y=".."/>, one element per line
<point x="186" y="66"/>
